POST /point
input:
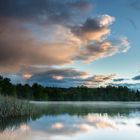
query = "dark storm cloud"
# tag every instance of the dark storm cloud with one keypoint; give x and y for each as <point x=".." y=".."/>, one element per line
<point x="136" y="77"/>
<point x="42" y="10"/>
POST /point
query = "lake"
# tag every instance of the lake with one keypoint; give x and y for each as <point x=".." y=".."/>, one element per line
<point x="76" y="121"/>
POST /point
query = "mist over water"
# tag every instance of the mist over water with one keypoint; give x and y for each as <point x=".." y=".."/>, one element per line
<point x="72" y="121"/>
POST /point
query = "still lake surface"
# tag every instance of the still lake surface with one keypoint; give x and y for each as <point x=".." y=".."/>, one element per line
<point x="76" y="121"/>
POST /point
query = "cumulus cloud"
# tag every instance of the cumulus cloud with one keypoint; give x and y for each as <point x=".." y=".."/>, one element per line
<point x="52" y="45"/>
<point x="94" y="28"/>
<point x="98" y="50"/>
<point x="51" y="33"/>
<point x="24" y="48"/>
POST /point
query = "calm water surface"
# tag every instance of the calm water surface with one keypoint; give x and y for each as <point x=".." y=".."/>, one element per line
<point x="76" y="121"/>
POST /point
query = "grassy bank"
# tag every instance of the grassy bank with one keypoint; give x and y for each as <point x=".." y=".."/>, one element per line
<point x="12" y="107"/>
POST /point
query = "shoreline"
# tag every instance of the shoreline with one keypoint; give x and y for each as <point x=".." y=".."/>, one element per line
<point x="91" y="103"/>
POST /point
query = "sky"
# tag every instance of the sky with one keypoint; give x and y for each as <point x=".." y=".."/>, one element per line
<point x="66" y="43"/>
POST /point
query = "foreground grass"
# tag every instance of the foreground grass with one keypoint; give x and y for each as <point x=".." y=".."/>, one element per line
<point x="12" y="107"/>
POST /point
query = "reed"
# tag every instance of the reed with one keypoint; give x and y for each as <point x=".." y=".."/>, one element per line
<point x="12" y="107"/>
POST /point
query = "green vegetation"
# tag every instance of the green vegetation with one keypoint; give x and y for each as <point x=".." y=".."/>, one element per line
<point x="12" y="107"/>
<point x="39" y="93"/>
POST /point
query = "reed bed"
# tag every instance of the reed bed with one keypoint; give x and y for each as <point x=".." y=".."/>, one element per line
<point x="12" y="107"/>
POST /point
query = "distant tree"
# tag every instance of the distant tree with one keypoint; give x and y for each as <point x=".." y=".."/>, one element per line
<point x="39" y="92"/>
<point x="82" y="93"/>
<point x="7" y="88"/>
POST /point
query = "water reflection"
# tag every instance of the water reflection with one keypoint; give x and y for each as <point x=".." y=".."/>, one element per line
<point x="75" y="121"/>
<point x="12" y="123"/>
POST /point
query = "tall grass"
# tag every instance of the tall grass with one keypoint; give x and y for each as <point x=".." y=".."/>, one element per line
<point x="12" y="107"/>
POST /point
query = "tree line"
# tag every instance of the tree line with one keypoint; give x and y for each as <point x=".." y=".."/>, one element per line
<point x="39" y="93"/>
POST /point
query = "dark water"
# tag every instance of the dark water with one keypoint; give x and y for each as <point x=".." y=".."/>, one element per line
<point x="76" y="121"/>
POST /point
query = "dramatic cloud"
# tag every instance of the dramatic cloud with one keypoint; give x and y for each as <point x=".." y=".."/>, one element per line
<point x="50" y="45"/>
<point x="50" y="33"/>
<point x="43" y="11"/>
<point x="94" y="28"/>
<point x="98" y="50"/>
<point x="24" y="48"/>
